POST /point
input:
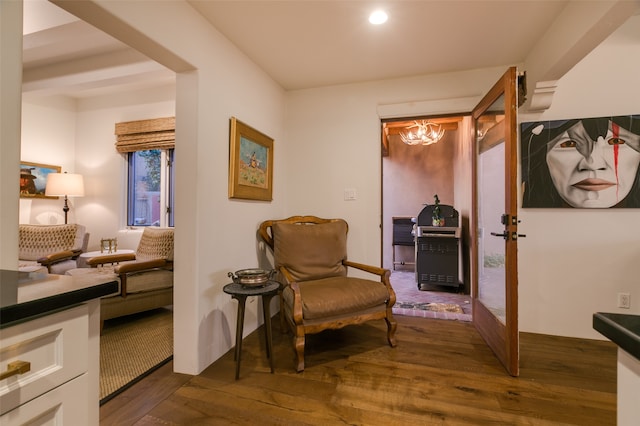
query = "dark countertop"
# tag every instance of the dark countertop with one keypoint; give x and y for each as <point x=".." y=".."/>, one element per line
<point x="621" y="329"/>
<point x="26" y="295"/>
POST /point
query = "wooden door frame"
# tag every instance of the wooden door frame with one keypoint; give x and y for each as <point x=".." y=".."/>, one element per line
<point x="503" y="339"/>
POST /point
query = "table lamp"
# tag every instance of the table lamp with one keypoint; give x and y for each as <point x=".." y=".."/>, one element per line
<point x="65" y="184"/>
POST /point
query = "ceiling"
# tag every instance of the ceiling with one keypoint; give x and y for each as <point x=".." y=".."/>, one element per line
<point x="300" y="44"/>
<point x="317" y="43"/>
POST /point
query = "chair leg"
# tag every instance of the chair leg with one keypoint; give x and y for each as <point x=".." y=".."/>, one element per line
<point x="299" y="348"/>
<point x="283" y="326"/>
<point x="391" y="329"/>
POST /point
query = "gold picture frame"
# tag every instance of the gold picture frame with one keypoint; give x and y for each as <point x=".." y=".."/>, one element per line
<point x="250" y="163"/>
<point x="33" y="179"/>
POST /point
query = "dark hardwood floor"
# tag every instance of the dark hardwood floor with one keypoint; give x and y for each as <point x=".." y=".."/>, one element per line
<point x="441" y="373"/>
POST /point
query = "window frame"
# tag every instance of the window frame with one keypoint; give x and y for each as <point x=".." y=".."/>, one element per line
<point x="167" y="186"/>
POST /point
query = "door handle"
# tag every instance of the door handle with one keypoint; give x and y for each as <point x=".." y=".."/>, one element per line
<point x="505" y="235"/>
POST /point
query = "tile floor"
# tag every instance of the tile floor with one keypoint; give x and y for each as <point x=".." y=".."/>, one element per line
<point x="404" y="284"/>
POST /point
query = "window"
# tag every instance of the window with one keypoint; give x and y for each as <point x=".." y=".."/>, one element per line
<point x="150" y="149"/>
<point x="150" y="188"/>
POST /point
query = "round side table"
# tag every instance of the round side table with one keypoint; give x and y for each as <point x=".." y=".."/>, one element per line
<point x="240" y="293"/>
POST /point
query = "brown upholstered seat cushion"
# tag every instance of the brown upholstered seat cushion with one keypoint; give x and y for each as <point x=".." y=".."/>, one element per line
<point x="336" y="296"/>
<point x="311" y="251"/>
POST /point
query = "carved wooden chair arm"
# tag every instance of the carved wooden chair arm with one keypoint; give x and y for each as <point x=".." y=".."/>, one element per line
<point x="110" y="258"/>
<point x="297" y="298"/>
<point x="286" y="275"/>
<point x="367" y="268"/>
<point x="56" y="257"/>
<point x="76" y="252"/>
<point x="128" y="268"/>
<point x="384" y="274"/>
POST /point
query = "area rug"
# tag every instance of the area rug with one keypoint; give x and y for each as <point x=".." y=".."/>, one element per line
<point x="132" y="347"/>
<point x="435" y="307"/>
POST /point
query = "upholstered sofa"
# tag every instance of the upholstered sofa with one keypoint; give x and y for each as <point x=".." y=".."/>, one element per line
<point x="50" y="248"/>
<point x="145" y="277"/>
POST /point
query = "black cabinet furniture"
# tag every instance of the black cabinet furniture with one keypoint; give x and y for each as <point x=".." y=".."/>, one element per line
<point x="240" y="293"/>
<point x="438" y="248"/>
<point x="402" y="236"/>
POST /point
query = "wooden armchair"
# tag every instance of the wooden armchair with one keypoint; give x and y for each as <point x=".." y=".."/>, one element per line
<point x="146" y="276"/>
<point x="310" y="253"/>
<point x="50" y="248"/>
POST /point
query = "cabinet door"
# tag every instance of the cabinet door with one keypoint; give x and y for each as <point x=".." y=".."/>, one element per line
<point x="60" y="406"/>
<point x="55" y="345"/>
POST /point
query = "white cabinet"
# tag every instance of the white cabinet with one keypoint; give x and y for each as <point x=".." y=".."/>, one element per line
<point x="59" y="406"/>
<point x="628" y="389"/>
<point x="61" y="386"/>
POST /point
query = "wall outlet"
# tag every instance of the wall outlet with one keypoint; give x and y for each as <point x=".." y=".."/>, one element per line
<point x="624" y="300"/>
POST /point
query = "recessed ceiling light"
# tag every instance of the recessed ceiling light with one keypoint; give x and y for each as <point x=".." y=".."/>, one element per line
<point x="378" y="17"/>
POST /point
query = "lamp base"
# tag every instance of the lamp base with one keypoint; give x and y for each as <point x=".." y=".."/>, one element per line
<point x="65" y="209"/>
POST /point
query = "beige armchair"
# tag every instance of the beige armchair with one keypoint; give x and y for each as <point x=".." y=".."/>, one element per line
<point x="50" y="248"/>
<point x="146" y="276"/>
<point x="310" y="253"/>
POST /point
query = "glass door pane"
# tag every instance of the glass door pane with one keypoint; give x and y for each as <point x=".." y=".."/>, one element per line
<point x="491" y="253"/>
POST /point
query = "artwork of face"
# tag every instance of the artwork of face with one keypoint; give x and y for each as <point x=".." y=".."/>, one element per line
<point x="593" y="173"/>
<point x="581" y="162"/>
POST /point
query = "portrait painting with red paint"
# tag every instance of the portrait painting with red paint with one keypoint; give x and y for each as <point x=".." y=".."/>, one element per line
<point x="581" y="163"/>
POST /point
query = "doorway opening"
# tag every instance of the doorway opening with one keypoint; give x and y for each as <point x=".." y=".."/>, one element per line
<point x="412" y="175"/>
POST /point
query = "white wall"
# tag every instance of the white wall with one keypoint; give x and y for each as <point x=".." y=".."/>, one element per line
<point x="333" y="136"/>
<point x="79" y="137"/>
<point x="214" y="235"/>
<point x="573" y="261"/>
<point x="103" y="208"/>
<point x="328" y="139"/>
<point x="48" y="137"/>
<point x="10" y="78"/>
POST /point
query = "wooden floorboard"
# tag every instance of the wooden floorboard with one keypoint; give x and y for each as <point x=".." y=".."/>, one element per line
<point x="134" y="403"/>
<point x="441" y="373"/>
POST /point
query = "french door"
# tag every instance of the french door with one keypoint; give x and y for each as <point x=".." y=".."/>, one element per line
<point x="494" y="231"/>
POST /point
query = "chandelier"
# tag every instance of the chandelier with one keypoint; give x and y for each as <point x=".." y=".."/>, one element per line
<point x="422" y="133"/>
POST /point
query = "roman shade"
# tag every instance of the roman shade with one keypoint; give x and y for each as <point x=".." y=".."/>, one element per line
<point x="142" y="135"/>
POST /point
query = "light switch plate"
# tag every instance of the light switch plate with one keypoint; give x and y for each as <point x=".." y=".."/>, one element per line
<point x="349" y="194"/>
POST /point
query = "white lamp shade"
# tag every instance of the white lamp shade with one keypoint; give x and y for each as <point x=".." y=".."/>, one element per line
<point x="69" y="184"/>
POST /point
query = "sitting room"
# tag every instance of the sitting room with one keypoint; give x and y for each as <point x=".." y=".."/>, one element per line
<point x="90" y="67"/>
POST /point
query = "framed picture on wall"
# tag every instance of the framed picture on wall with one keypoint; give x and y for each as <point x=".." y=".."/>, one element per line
<point x="250" y="163"/>
<point x="33" y="179"/>
<point x="581" y="163"/>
